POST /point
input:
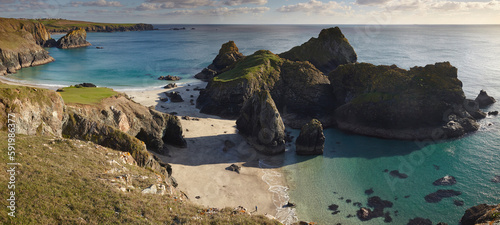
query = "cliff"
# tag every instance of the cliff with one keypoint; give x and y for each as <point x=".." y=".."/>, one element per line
<point x="228" y="55"/>
<point x="481" y="214"/>
<point x="73" y="39"/>
<point x="389" y="102"/>
<point x="329" y="50"/>
<point x="62" y="25"/>
<point x="20" y="45"/>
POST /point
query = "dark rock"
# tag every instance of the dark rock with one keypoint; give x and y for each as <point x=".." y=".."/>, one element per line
<point x="387" y="217"/>
<point x="376" y="202"/>
<point x="197" y="197"/>
<point x="436" y="167"/>
<point x="85" y="85"/>
<point x="458" y="202"/>
<point x="334" y="208"/>
<point x="348" y="200"/>
<point x="445" y="181"/>
<point x="440" y="194"/>
<point x="369" y="191"/>
<point x="164" y="99"/>
<point x="228" y="145"/>
<point x="493" y="113"/>
<point x="234" y="167"/>
<point x="311" y="140"/>
<point x="73" y="39"/>
<point x="472" y="107"/>
<point x="419" y="221"/>
<point x="261" y="122"/>
<point x="407" y="196"/>
<point x="364" y="214"/>
<point x="495" y="179"/>
<point x="191" y="101"/>
<point x="169" y="77"/>
<point x="358" y="204"/>
<point x="228" y="55"/>
<point x="171" y="85"/>
<point x="59" y="90"/>
<point x="174" y="96"/>
<point x="396" y="173"/>
<point x="326" y="52"/>
<point x="480" y="214"/>
<point x="417" y="102"/>
<point x="99" y="47"/>
<point x="385" y="171"/>
<point x="289" y="204"/>
<point x="483" y="99"/>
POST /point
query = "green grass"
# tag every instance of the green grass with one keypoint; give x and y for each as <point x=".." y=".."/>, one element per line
<point x="63" y="181"/>
<point x="261" y="62"/>
<point x="85" y="95"/>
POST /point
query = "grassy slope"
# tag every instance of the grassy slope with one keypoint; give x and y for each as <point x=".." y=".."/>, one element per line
<point x="10" y="37"/>
<point x="261" y="62"/>
<point x="62" y="181"/>
<point x="85" y="95"/>
<point x="63" y="25"/>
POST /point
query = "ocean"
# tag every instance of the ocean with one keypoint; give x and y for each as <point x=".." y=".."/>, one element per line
<point x="351" y="163"/>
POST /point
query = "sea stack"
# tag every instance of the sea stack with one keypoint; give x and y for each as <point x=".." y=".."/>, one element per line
<point x="483" y="99"/>
<point x="228" y="55"/>
<point x="311" y="140"/>
<point x="261" y="122"/>
<point x="74" y="39"/>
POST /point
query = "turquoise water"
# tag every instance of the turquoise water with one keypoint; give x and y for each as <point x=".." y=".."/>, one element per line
<point x="351" y="163"/>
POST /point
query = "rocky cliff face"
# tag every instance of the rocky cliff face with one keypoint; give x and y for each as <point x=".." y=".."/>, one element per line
<point x="481" y="214"/>
<point x="73" y="39"/>
<point x="390" y="102"/>
<point x="18" y="45"/>
<point x="35" y="110"/>
<point x="66" y="26"/>
<point x="228" y="55"/>
<point x="326" y="52"/>
<point x="261" y="122"/>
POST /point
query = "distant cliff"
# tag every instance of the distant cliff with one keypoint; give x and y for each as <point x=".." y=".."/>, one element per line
<point x="20" y="42"/>
<point x="63" y="26"/>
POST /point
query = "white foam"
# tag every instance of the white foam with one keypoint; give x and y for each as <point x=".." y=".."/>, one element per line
<point x="285" y="215"/>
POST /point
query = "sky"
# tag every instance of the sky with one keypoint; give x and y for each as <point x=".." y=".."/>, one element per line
<point x="260" y="11"/>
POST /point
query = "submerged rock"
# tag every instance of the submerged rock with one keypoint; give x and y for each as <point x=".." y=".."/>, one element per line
<point x="495" y="179"/>
<point x="73" y="39"/>
<point x="311" y="140"/>
<point x="396" y="173"/>
<point x="440" y="194"/>
<point x="261" y="122"/>
<point x="419" y="221"/>
<point x="483" y="99"/>
<point x="445" y="181"/>
<point x="326" y="52"/>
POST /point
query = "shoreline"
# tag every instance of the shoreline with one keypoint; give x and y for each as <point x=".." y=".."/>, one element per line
<point x="200" y="169"/>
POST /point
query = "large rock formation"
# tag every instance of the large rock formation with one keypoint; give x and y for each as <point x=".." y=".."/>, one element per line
<point x="148" y="125"/>
<point x="34" y="110"/>
<point x="300" y="91"/>
<point x="228" y="55"/>
<point x="483" y="99"/>
<point x="481" y="214"/>
<point x="73" y="39"/>
<point x="311" y="140"/>
<point x="261" y="122"/>
<point x="326" y="52"/>
<point x="389" y="102"/>
<point x="18" y="45"/>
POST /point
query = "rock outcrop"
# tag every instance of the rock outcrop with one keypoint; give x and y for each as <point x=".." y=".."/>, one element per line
<point x="389" y="102"/>
<point x="35" y="111"/>
<point x="311" y="140"/>
<point x="228" y="55"/>
<point x="73" y="39"/>
<point x="300" y="91"/>
<point x="445" y="181"/>
<point x="481" y="214"/>
<point x="261" y="122"/>
<point x="18" y="45"/>
<point x="483" y="99"/>
<point x="326" y="52"/>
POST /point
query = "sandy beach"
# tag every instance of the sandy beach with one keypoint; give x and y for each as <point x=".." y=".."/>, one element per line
<point x="200" y="169"/>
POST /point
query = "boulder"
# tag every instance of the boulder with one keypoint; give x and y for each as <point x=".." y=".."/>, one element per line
<point x="73" y="39"/>
<point x="495" y="179"/>
<point x="85" y="85"/>
<point x="311" y="140"/>
<point x="169" y="77"/>
<point x="389" y="102"/>
<point x="493" y="113"/>
<point x="261" y="122"/>
<point x="476" y="214"/>
<point x="483" y="99"/>
<point x="445" y="181"/>
<point x="326" y="52"/>
<point x="174" y="96"/>
<point x="234" y="167"/>
<point x="171" y="85"/>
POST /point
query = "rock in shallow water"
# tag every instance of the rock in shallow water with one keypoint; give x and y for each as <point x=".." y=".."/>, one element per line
<point x="483" y="99"/>
<point x="311" y="140"/>
<point x="419" y="221"/>
<point x="396" y="173"/>
<point x="440" y="194"/>
<point x="445" y="181"/>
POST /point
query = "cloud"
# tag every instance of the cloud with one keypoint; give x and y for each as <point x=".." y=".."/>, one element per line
<point x="314" y="6"/>
<point x="428" y="5"/>
<point x="98" y="3"/>
<point x="180" y="4"/>
<point x="223" y="11"/>
<point x="241" y="2"/>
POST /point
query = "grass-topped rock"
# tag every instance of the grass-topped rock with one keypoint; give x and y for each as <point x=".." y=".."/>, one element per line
<point x="329" y="50"/>
<point x="228" y="55"/>
<point x="390" y="102"/>
<point x="74" y="39"/>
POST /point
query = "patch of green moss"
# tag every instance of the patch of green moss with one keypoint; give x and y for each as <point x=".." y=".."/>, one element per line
<point x="86" y="95"/>
<point x="261" y="63"/>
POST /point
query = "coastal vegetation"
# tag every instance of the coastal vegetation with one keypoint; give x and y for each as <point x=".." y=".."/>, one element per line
<point x="63" y="25"/>
<point x="86" y="95"/>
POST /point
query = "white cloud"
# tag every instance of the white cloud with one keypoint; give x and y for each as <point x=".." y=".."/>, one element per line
<point x="427" y="5"/>
<point x="181" y="4"/>
<point x="318" y="7"/>
<point x="241" y="2"/>
<point x="223" y="11"/>
<point x="99" y="3"/>
<point x="371" y="2"/>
